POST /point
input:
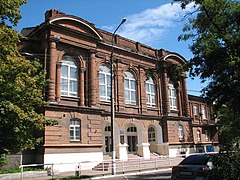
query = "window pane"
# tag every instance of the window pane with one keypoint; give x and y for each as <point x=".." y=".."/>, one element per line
<point x="101" y="78"/>
<point x="73" y="72"/>
<point x="127" y="95"/>
<point x="64" y="84"/>
<point x="73" y="85"/>
<point x="126" y="84"/>
<point x="152" y="89"/>
<point x="147" y="87"/>
<point x="133" y="96"/>
<point x="102" y="90"/>
<point x="64" y="71"/>
<point x="133" y="84"/>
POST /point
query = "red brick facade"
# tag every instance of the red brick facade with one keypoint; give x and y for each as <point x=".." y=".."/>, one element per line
<point x="65" y="35"/>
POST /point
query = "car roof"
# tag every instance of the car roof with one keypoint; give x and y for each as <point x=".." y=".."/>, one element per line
<point x="196" y="159"/>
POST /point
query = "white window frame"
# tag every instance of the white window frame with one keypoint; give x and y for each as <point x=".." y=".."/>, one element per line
<point x="70" y="63"/>
<point x="151" y="134"/>
<point x="105" y="72"/>
<point x="204" y="112"/>
<point x="180" y="133"/>
<point x="75" y="127"/>
<point x="206" y="135"/>
<point x="195" y="111"/>
<point x="150" y="93"/>
<point x="129" y="78"/>
<point x="172" y="96"/>
<point x="198" y="136"/>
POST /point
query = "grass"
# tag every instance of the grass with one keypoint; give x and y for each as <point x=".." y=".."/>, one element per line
<point x="17" y="170"/>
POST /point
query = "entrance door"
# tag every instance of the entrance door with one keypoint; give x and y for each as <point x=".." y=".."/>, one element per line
<point x="132" y="143"/>
<point x="108" y="142"/>
<point x="132" y="138"/>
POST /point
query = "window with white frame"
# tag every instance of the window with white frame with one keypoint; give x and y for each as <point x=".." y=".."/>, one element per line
<point x="172" y="96"/>
<point x="150" y="91"/>
<point x="75" y="130"/>
<point x="180" y="133"/>
<point x="69" y="76"/>
<point x="204" y="112"/>
<point x="129" y="88"/>
<point x="151" y="134"/>
<point x="195" y="111"/>
<point x="104" y="83"/>
<point x="206" y="135"/>
<point x="198" y="136"/>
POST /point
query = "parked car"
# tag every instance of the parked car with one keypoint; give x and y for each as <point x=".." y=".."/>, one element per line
<point x="194" y="167"/>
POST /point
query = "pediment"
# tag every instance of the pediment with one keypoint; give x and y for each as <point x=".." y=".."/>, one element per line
<point x="77" y="25"/>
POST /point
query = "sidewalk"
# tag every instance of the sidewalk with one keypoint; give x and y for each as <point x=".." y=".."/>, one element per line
<point x="87" y="174"/>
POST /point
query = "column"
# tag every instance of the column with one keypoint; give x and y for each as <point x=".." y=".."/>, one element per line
<point x="92" y="78"/>
<point x="81" y="86"/>
<point x="58" y="82"/>
<point x="185" y="97"/>
<point x="52" y="71"/>
<point x="179" y="102"/>
<point x="166" y="105"/>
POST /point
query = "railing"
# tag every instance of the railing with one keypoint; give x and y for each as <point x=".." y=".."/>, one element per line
<point x="104" y="168"/>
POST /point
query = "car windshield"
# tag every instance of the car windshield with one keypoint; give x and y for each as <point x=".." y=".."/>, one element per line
<point x="196" y="160"/>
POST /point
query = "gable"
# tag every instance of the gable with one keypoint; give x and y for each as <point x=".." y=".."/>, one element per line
<point x="77" y="25"/>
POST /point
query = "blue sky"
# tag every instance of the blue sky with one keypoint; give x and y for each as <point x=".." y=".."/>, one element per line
<point x="156" y="23"/>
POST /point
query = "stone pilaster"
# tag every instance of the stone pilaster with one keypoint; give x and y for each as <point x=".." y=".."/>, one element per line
<point x="52" y="71"/>
<point x="92" y="74"/>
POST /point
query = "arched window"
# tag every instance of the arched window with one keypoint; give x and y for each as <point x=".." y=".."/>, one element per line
<point x="150" y="91"/>
<point x="75" y="130"/>
<point x="151" y="135"/>
<point x="172" y="96"/>
<point x="104" y="83"/>
<point x="69" y="76"/>
<point x="129" y="88"/>
<point x="180" y="133"/>
<point x="204" y="112"/>
<point x="198" y="136"/>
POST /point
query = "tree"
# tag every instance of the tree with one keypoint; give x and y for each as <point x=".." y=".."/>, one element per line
<point x="215" y="33"/>
<point x="21" y="87"/>
<point x="214" y="29"/>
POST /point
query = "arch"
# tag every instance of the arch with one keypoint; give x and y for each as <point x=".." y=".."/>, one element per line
<point x="78" y="21"/>
<point x="178" y="58"/>
<point x="158" y="131"/>
<point x="77" y="56"/>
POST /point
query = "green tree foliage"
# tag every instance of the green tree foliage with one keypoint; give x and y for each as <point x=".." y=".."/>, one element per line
<point x="215" y="33"/>
<point x="214" y="29"/>
<point x="21" y="85"/>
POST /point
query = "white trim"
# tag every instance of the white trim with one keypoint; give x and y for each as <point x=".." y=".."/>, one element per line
<point x="68" y="18"/>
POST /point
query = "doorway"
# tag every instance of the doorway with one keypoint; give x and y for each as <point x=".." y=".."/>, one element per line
<point x="132" y="138"/>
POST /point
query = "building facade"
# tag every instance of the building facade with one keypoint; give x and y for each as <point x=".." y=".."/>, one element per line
<point x="152" y="114"/>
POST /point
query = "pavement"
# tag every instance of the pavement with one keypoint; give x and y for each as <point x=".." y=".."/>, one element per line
<point x="86" y="174"/>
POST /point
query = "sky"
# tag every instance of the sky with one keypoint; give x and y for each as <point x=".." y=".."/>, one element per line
<point x="156" y="23"/>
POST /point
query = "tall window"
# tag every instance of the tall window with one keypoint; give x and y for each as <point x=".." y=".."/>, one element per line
<point x="204" y="112"/>
<point x="74" y="130"/>
<point x="198" y="136"/>
<point x="104" y="83"/>
<point x="69" y="76"/>
<point x="206" y="135"/>
<point x="180" y="133"/>
<point x="150" y="91"/>
<point x="129" y="88"/>
<point x="151" y="134"/>
<point x="195" y="111"/>
<point x="172" y="96"/>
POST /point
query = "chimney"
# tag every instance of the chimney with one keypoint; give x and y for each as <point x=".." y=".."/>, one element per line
<point x="50" y="13"/>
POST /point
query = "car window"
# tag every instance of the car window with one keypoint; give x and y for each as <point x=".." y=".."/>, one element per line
<point x="196" y="160"/>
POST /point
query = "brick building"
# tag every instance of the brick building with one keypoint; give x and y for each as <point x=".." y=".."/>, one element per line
<point x="152" y="115"/>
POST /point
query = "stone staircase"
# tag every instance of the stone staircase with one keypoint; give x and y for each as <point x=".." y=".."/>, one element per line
<point x="134" y="163"/>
